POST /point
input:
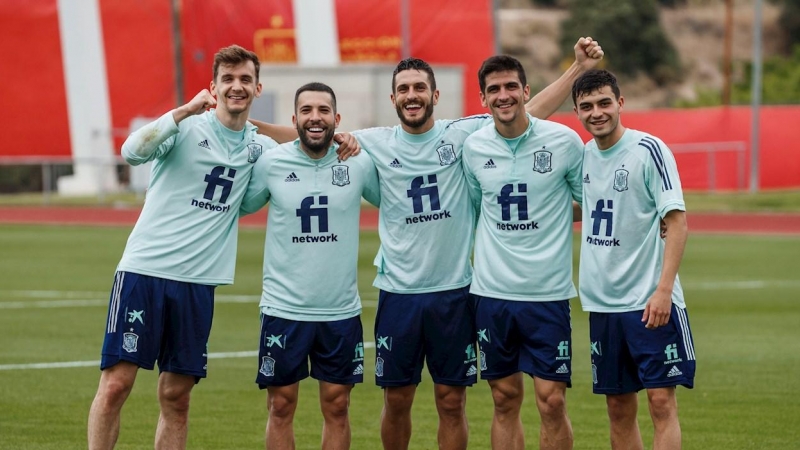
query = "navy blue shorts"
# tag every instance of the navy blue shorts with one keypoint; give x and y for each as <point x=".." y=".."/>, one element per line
<point x="627" y="357"/>
<point x="336" y="350"/>
<point x="437" y="328"/>
<point x="152" y="319"/>
<point x="530" y="337"/>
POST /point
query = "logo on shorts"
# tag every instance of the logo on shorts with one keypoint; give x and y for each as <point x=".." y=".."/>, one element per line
<point x="359" y="354"/>
<point x="129" y="342"/>
<point x="483" y="361"/>
<point x="379" y="367"/>
<point x="275" y="340"/>
<point x="470" y="352"/>
<point x="596" y="349"/>
<point x="135" y="315"/>
<point x="385" y="342"/>
<point x="267" y="366"/>
<point x="594" y="374"/>
<point x="563" y="369"/>
<point x="674" y="372"/>
<point x="563" y="350"/>
<point x="671" y="354"/>
<point x="472" y="370"/>
<point x="359" y="370"/>
<point x="483" y="335"/>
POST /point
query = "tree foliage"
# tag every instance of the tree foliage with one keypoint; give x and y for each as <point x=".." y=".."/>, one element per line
<point x="630" y="33"/>
<point x="780" y="82"/>
<point x="789" y="22"/>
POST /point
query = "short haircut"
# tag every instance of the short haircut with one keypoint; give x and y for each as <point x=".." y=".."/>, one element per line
<point x="315" y="86"/>
<point x="414" y="64"/>
<point x="594" y="80"/>
<point x="233" y="56"/>
<point x="500" y="63"/>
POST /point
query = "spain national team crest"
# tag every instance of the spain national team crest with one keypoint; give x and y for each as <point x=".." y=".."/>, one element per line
<point x="543" y="161"/>
<point x="379" y="367"/>
<point x="621" y="180"/>
<point x="341" y="175"/>
<point x="130" y="342"/>
<point x="253" y="152"/>
<point x="267" y="366"/>
<point x="447" y="155"/>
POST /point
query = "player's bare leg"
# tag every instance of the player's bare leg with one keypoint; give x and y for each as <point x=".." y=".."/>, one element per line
<point x="664" y="411"/>
<point x="451" y="404"/>
<point x="281" y="404"/>
<point x="624" y="426"/>
<point x="507" y="394"/>
<point x="174" y="392"/>
<point x="115" y="385"/>
<point x="551" y="400"/>
<point x="334" y="402"/>
<point x="396" y="416"/>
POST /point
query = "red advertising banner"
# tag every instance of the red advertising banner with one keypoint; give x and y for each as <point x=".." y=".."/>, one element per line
<point x="369" y="31"/>
<point x="33" y="91"/>
<point x="455" y="32"/>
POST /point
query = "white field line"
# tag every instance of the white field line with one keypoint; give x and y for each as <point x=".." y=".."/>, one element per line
<point x="67" y="299"/>
<point x="70" y="364"/>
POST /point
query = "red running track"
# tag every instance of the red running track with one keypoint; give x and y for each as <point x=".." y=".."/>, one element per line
<point x="738" y="223"/>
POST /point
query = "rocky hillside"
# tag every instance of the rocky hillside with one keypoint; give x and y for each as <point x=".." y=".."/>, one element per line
<point x="697" y="32"/>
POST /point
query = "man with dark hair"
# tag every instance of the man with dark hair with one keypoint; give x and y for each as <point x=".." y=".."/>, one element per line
<point x="182" y="247"/>
<point x="312" y="230"/>
<point x="524" y="175"/>
<point x="638" y="324"/>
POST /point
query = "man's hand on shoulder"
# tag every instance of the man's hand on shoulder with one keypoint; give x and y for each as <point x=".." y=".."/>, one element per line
<point x="198" y="105"/>
<point x="348" y="145"/>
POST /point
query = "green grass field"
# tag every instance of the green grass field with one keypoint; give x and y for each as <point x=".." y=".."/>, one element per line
<point x="744" y="304"/>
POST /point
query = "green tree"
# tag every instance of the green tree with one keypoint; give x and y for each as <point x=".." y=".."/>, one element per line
<point x="630" y="33"/>
<point x="780" y="81"/>
<point x="789" y="22"/>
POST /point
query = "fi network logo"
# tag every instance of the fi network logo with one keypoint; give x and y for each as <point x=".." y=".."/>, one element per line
<point x="214" y="180"/>
<point x="600" y="214"/>
<point x="307" y="211"/>
<point x="506" y="199"/>
<point x="419" y="190"/>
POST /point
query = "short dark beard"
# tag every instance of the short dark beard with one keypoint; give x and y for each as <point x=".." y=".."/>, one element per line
<point x="315" y="147"/>
<point x="415" y="123"/>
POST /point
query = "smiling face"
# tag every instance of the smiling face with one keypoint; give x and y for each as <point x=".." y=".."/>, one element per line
<point x="316" y="120"/>
<point x="505" y="96"/>
<point x="414" y="99"/>
<point x="235" y="87"/>
<point x="599" y="112"/>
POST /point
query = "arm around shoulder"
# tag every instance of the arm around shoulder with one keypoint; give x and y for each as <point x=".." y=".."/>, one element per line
<point x="279" y="133"/>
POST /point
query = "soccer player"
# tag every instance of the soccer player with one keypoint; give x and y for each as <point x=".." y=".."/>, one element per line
<point x="523" y="174"/>
<point x="426" y="226"/>
<point x="310" y="304"/>
<point x="638" y="325"/>
<point x="183" y="245"/>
